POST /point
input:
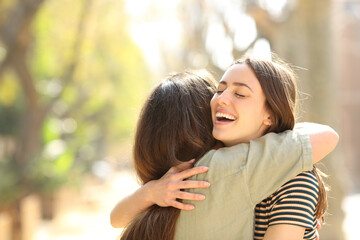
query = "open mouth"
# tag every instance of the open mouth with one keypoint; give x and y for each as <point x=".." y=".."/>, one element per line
<point x="224" y="117"/>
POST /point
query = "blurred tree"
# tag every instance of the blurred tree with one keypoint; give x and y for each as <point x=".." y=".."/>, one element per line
<point x="71" y="81"/>
<point x="347" y="49"/>
<point x="15" y="35"/>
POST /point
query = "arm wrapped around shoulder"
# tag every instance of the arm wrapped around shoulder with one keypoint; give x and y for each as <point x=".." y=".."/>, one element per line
<point x="322" y="137"/>
<point x="274" y="159"/>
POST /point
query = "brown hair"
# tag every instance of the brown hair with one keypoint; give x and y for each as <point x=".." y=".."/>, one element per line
<point x="175" y="125"/>
<point x="278" y="81"/>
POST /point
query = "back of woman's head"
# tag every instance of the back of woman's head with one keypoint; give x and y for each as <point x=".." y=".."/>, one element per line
<point x="175" y="125"/>
<point x="278" y="83"/>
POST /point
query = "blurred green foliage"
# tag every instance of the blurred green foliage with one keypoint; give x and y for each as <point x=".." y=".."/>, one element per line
<point x="91" y="75"/>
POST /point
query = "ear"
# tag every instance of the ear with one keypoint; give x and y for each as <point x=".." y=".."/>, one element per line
<point x="268" y="120"/>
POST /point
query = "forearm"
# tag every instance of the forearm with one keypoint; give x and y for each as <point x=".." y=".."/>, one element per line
<point x="164" y="192"/>
<point x="126" y="209"/>
<point x="322" y="137"/>
<point x="284" y="232"/>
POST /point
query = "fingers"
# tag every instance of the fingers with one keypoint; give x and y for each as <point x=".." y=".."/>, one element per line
<point x="172" y="170"/>
<point x="189" y="196"/>
<point x="171" y="187"/>
<point x="318" y="225"/>
<point x="181" y="167"/>
<point x="192" y="184"/>
<point x="190" y="172"/>
<point x="182" y="206"/>
<point x="185" y="165"/>
<point x="186" y="196"/>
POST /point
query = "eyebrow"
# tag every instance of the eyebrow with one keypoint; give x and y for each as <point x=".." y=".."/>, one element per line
<point x="237" y="84"/>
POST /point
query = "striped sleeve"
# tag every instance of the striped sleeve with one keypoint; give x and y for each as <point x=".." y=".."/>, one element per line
<point x="295" y="202"/>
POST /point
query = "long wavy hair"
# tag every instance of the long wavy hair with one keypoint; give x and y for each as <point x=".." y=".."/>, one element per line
<point x="174" y="126"/>
<point x="278" y="82"/>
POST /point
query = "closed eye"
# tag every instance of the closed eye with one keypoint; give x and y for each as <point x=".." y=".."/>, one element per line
<point x="239" y="95"/>
<point x="219" y="92"/>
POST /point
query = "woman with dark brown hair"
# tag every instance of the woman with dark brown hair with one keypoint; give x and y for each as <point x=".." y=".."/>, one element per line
<point x="291" y="211"/>
<point x="250" y="168"/>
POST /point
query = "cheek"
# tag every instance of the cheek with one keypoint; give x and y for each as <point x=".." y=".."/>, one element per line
<point x="252" y="112"/>
<point x="258" y="108"/>
<point x="264" y="111"/>
<point x="212" y="104"/>
<point x="246" y="107"/>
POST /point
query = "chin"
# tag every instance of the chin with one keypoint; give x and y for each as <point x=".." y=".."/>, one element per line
<point x="217" y="135"/>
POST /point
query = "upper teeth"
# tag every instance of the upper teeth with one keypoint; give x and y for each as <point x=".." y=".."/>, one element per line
<point x="225" y="115"/>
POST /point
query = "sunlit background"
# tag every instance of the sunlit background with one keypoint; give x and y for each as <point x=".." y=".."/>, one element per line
<point x="74" y="75"/>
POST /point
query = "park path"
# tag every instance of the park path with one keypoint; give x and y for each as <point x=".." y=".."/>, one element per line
<point x="84" y="214"/>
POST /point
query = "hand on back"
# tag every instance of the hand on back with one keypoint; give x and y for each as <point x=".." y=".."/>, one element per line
<point x="166" y="191"/>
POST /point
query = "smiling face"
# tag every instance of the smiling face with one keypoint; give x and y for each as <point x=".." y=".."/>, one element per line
<point x="238" y="107"/>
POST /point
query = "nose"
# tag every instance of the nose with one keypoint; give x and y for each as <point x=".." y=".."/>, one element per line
<point x="224" y="98"/>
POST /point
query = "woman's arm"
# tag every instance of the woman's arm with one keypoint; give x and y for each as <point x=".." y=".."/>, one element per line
<point x="284" y="232"/>
<point x="163" y="192"/>
<point x="166" y="190"/>
<point x="322" y="137"/>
